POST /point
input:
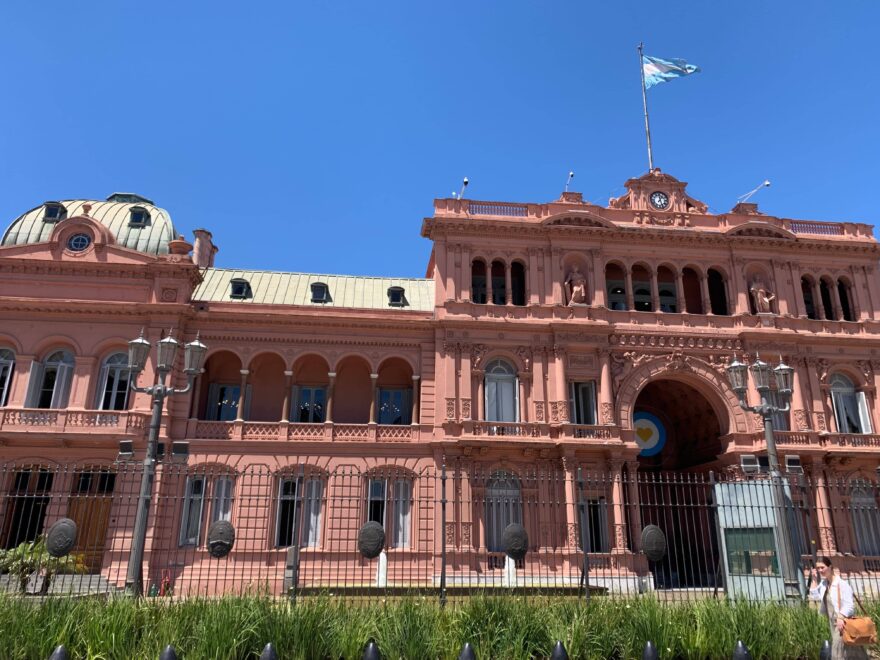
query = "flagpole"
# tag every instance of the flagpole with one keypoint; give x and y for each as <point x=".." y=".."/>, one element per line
<point x="645" y="105"/>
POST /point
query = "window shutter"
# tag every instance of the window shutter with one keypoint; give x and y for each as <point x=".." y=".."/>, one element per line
<point x="864" y="414"/>
<point x="61" y="393"/>
<point x="839" y="412"/>
<point x="515" y="416"/>
<point x="213" y="399"/>
<point x="574" y="415"/>
<point x="293" y="411"/>
<point x="101" y="391"/>
<point x="6" y="380"/>
<point x="247" y="401"/>
<point x="591" y="390"/>
<point x="401" y="513"/>
<point x="34" y="384"/>
<point x="491" y="400"/>
<point x="313" y="513"/>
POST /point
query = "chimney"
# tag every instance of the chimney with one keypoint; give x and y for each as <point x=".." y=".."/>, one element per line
<point x="203" y="249"/>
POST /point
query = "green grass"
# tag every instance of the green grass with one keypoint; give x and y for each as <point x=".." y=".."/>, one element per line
<point x="511" y="628"/>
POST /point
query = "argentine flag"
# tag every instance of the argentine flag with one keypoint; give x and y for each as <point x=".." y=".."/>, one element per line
<point x="659" y="71"/>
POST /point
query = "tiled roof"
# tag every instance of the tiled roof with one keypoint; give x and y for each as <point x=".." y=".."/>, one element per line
<point x="273" y="288"/>
<point x="152" y="238"/>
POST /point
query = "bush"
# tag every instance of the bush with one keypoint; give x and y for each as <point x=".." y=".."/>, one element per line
<point x="509" y="627"/>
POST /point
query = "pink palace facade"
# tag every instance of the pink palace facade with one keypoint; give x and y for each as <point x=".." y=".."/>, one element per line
<point x="537" y="336"/>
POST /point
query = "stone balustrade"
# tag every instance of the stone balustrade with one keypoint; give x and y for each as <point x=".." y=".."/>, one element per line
<point x="91" y="422"/>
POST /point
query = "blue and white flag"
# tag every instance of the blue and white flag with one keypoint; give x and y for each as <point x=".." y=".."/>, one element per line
<point x="659" y="71"/>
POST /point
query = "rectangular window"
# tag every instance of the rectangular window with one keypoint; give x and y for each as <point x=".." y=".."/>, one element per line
<point x="193" y="503"/>
<point x="376" y="500"/>
<point x="221" y="506"/>
<point x="780" y="419"/>
<point x="289" y="492"/>
<point x="310" y="404"/>
<point x="312" y="514"/>
<point x="751" y="552"/>
<point x="593" y="519"/>
<point x="222" y="403"/>
<point x="402" y="510"/>
<point x="286" y="513"/>
<point x="5" y="379"/>
<point x="395" y="406"/>
<point x="851" y="412"/>
<point x="502" y="399"/>
<point x="582" y="402"/>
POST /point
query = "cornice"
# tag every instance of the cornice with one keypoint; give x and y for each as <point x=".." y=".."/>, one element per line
<point x="293" y="340"/>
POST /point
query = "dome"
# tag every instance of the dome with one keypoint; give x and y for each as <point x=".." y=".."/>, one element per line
<point x="135" y="222"/>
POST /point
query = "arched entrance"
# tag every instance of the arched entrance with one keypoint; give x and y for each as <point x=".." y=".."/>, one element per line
<point x="675" y="493"/>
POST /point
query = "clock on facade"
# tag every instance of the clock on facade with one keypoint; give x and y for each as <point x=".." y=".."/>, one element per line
<point x="659" y="200"/>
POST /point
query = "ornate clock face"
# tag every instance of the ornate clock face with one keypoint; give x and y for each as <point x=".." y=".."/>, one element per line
<point x="659" y="200"/>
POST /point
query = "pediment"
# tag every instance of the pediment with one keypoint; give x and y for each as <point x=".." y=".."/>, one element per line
<point x="760" y="230"/>
<point x="578" y="219"/>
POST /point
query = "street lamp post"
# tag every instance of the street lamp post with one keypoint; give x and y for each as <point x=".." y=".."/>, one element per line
<point x="166" y="351"/>
<point x="737" y="374"/>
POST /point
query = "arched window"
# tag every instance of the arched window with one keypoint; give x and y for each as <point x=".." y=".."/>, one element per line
<point x="865" y="517"/>
<point x="809" y="302"/>
<point x="503" y="507"/>
<point x="499" y="283"/>
<point x="846" y="307"/>
<point x="205" y="495"/>
<point x="641" y="282"/>
<point x="850" y="406"/>
<point x="825" y="293"/>
<point x="518" y="284"/>
<point x="717" y="293"/>
<point x="693" y="295"/>
<point x="390" y="500"/>
<point x="478" y="282"/>
<point x="666" y="290"/>
<point x="615" y="281"/>
<point x="49" y="385"/>
<point x="501" y="392"/>
<point x="311" y="491"/>
<point x="113" y="386"/>
<point x="7" y="366"/>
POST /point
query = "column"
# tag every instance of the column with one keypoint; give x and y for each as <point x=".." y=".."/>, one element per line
<point x="374" y="378"/>
<point x="783" y="298"/>
<point x="655" y="292"/>
<point x="635" y="509"/>
<point x="441" y="265"/>
<point x="835" y="301"/>
<point x="465" y="384"/>
<point x="630" y="304"/>
<point x="450" y="272"/>
<point x="704" y="294"/>
<point x="466" y="270"/>
<point x="800" y="308"/>
<point x="82" y="376"/>
<point x="826" y="539"/>
<point x="571" y="499"/>
<point x="288" y="385"/>
<point x="416" y="392"/>
<point x="820" y="421"/>
<point x="557" y="276"/>
<point x="242" y="395"/>
<point x="679" y="293"/>
<point x="20" y="381"/>
<point x="508" y="289"/>
<point x="489" y="283"/>
<point x="532" y="278"/>
<point x="539" y="370"/>
<point x="818" y="303"/>
<point x="525" y="380"/>
<point x="478" y="390"/>
<point x="606" y="401"/>
<point x="873" y="297"/>
<point x="860" y="313"/>
<point x="196" y="395"/>
<point x="599" y="284"/>
<point x="798" y="412"/>
<point x="561" y="398"/>
<point x="617" y="506"/>
<point x="331" y="375"/>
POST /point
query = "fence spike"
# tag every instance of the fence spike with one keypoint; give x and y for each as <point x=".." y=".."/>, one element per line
<point x="741" y="652"/>
<point x="371" y="651"/>
<point x="650" y="652"/>
<point x="559" y="652"/>
<point x="825" y="651"/>
<point x="269" y="652"/>
<point x="60" y="653"/>
<point x="467" y="652"/>
<point x="168" y="653"/>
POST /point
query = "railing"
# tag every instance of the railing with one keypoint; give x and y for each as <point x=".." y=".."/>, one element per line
<point x="73" y="421"/>
<point x="509" y="429"/>
<point x="589" y="432"/>
<point x="498" y="208"/>
<point x="818" y="228"/>
<point x="214" y="430"/>
<point x="247" y="430"/>
<point x="447" y="525"/>
<point x="853" y="439"/>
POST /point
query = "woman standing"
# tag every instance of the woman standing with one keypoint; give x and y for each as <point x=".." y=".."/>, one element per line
<point x="837" y="603"/>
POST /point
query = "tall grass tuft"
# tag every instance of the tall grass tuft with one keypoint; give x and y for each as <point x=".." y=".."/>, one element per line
<point x="508" y="627"/>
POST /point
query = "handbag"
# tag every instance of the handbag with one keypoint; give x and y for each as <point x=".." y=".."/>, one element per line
<point x="858" y="630"/>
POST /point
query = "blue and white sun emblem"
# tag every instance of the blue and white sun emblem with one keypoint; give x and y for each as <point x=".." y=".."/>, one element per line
<point x="650" y="433"/>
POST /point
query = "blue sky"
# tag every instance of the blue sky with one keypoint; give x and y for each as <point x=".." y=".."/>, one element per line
<point x="313" y="136"/>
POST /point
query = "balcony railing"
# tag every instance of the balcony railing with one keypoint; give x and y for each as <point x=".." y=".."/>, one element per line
<point x="320" y="432"/>
<point x="509" y="429"/>
<point x="797" y="439"/>
<point x="73" y="421"/>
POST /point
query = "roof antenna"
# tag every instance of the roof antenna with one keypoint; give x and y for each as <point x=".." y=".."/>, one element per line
<point x="464" y="184"/>
<point x="744" y="198"/>
<point x="570" y="177"/>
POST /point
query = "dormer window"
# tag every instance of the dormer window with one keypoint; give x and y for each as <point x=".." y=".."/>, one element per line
<point x="240" y="289"/>
<point x="396" y="297"/>
<point x="54" y="212"/>
<point x="139" y="217"/>
<point x="320" y="293"/>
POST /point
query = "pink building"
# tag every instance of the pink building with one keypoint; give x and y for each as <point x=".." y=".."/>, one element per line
<point x="560" y="356"/>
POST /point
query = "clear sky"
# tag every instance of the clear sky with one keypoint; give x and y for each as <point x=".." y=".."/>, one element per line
<point x="313" y="136"/>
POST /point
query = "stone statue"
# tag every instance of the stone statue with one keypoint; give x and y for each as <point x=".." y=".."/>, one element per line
<point x="576" y="286"/>
<point x="762" y="297"/>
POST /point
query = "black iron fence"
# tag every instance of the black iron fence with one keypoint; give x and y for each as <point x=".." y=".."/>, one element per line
<point x="446" y="531"/>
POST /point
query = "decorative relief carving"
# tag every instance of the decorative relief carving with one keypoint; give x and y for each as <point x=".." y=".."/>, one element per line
<point x="524" y="353"/>
<point x="867" y="371"/>
<point x="826" y="535"/>
<point x="619" y="537"/>
<point x="169" y="295"/>
<point x="563" y="411"/>
<point x="539" y="411"/>
<point x="820" y="422"/>
<point x="554" y="411"/>
<point x="571" y="535"/>
<point x="758" y="421"/>
<point x="478" y="352"/>
<point x="465" y="408"/>
<point x="679" y="342"/>
<point x="450" y="533"/>
<point x="450" y="408"/>
<point x="678" y="361"/>
<point x="466" y="534"/>
<point x="822" y="365"/>
<point x="800" y="420"/>
<point x="607" y="413"/>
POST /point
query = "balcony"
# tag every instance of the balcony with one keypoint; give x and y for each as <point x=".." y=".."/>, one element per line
<point x="789" y="440"/>
<point x="87" y="422"/>
<point x="289" y="431"/>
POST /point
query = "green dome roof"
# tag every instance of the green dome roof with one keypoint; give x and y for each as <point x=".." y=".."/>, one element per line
<point x="147" y="232"/>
